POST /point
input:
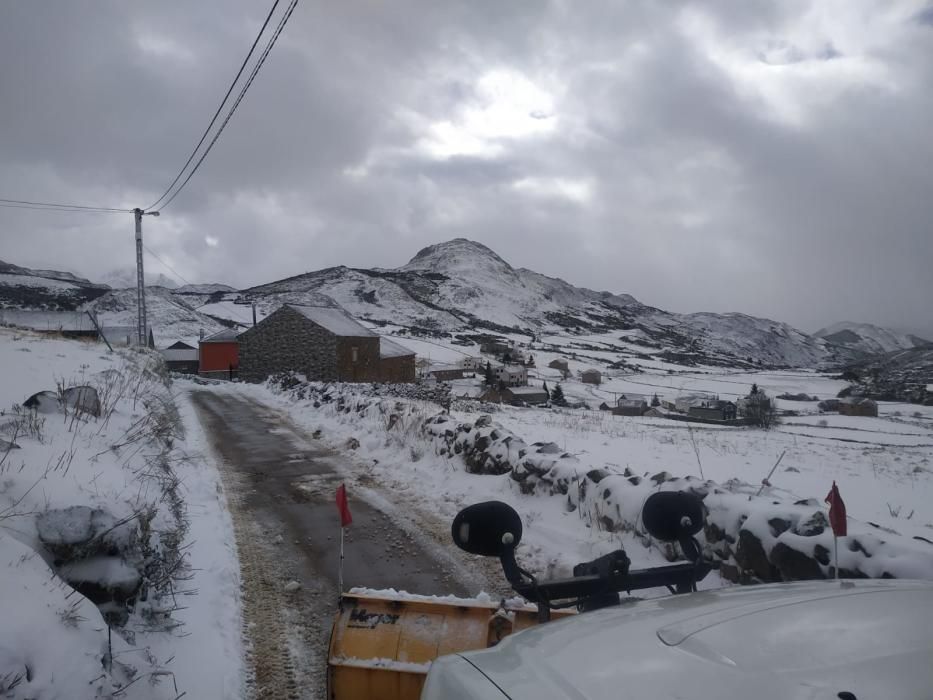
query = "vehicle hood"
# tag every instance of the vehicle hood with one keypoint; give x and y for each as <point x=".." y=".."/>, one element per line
<point x="809" y="641"/>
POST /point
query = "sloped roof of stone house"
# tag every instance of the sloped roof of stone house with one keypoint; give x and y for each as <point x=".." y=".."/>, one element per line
<point x="388" y="348"/>
<point x="334" y="320"/>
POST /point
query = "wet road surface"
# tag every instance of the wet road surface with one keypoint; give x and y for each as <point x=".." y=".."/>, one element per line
<point x="281" y="488"/>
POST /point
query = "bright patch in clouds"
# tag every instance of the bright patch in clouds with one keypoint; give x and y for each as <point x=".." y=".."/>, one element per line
<point x="211" y="241"/>
<point x="579" y="191"/>
<point x="801" y="71"/>
<point x="507" y="105"/>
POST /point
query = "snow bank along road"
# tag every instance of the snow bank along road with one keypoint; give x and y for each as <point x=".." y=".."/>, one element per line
<point x="281" y="489"/>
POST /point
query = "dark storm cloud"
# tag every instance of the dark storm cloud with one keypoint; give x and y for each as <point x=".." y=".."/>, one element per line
<point x="763" y="157"/>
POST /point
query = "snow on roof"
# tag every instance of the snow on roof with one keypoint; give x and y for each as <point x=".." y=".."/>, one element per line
<point x="180" y="354"/>
<point x="590" y="371"/>
<point x="334" y="320"/>
<point x="227" y="335"/>
<point x="525" y="390"/>
<point x="388" y="348"/>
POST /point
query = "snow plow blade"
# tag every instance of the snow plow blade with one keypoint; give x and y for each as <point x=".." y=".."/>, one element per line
<point x="382" y="645"/>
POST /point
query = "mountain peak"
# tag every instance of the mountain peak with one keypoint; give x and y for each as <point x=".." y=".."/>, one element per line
<point x="456" y="254"/>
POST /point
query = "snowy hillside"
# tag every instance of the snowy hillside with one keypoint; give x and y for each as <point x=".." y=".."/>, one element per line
<point x="463" y="287"/>
<point x="171" y="319"/>
<point x="869" y="339"/>
<point x="126" y="279"/>
<point x="21" y="287"/>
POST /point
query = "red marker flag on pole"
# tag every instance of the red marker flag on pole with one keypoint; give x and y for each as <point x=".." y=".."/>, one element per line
<point x="343" y="506"/>
<point x="837" y="511"/>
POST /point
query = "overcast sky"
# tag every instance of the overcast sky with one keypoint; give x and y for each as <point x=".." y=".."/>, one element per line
<point x="774" y="158"/>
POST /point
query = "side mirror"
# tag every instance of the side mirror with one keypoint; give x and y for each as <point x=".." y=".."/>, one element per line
<point x="488" y="529"/>
<point x="672" y="516"/>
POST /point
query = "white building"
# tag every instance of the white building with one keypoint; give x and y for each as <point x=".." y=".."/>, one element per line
<point x="511" y="375"/>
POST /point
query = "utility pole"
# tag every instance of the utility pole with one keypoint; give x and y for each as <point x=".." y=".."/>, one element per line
<point x="142" y="328"/>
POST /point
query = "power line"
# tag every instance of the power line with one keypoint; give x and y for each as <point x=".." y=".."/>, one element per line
<point x="219" y="107"/>
<point x="25" y="204"/>
<point x="57" y="209"/>
<point x="188" y="282"/>
<point x="246" y="86"/>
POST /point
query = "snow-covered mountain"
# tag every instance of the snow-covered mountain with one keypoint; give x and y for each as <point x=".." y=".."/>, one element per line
<point x="869" y="339"/>
<point x="463" y="287"/>
<point x="21" y="287"/>
<point x="460" y="289"/>
<point x="167" y="313"/>
<point x="126" y="279"/>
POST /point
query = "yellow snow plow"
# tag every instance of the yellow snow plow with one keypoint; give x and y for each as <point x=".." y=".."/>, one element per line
<point x="382" y="644"/>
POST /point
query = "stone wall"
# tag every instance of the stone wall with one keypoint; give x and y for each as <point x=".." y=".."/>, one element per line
<point x="286" y="341"/>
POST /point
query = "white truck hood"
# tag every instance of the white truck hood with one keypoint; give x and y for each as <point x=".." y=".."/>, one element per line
<point x="813" y="640"/>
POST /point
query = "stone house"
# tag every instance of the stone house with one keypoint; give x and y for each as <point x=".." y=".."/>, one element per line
<point x="324" y="344"/>
<point x="591" y="376"/>
<point x="559" y="364"/>
<point x="857" y="406"/>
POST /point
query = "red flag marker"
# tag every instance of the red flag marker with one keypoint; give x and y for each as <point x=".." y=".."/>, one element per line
<point x="837" y="511"/>
<point x="343" y="506"/>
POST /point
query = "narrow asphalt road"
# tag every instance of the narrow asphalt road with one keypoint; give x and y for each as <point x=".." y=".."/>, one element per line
<point x="281" y="486"/>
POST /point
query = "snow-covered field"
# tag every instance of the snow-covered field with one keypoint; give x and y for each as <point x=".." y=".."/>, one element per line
<point x="136" y="463"/>
<point x="883" y="466"/>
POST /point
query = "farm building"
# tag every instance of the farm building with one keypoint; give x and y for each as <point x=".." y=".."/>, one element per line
<point x="591" y="376"/>
<point x="630" y="407"/>
<point x="219" y="355"/>
<point x="559" y="364"/>
<point x="180" y="357"/>
<point x="324" y="344"/>
<point x="531" y="395"/>
<point x="714" y="410"/>
<point x="857" y="406"/>
<point x="70" y="324"/>
<point x="445" y="373"/>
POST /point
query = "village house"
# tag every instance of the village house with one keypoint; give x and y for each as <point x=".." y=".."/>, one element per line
<point x="559" y="364"/>
<point x="324" y="344"/>
<point x="219" y="355"/>
<point x="685" y="402"/>
<point x="630" y="407"/>
<point x="494" y="347"/>
<point x="473" y="363"/>
<point x="714" y="410"/>
<point x="181" y="357"/>
<point x="591" y="376"/>
<point x="510" y="375"/>
<point x="445" y="373"/>
<point x="858" y="406"/>
<point x="530" y="395"/>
